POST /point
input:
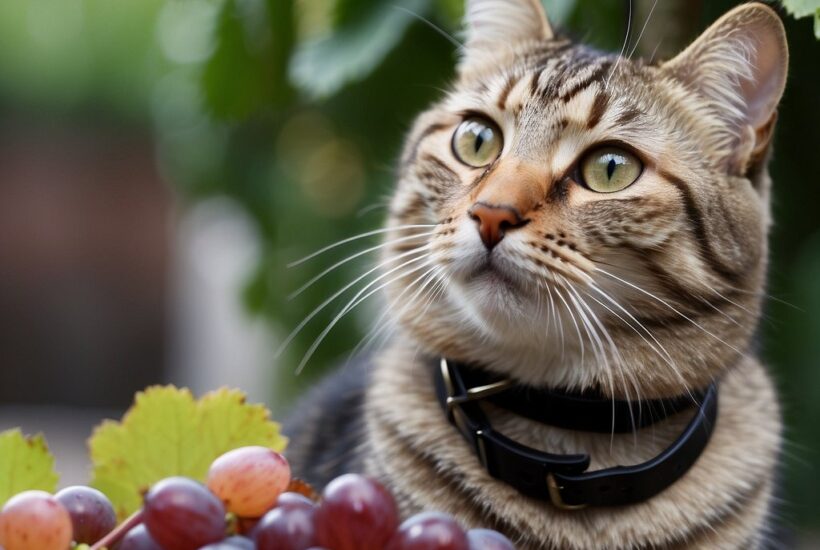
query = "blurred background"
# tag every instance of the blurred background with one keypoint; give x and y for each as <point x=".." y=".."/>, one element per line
<point x="162" y="161"/>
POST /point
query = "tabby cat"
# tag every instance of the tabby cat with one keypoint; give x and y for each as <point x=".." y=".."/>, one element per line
<point x="573" y="219"/>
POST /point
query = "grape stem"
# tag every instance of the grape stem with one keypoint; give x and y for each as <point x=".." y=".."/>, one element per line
<point x="114" y="536"/>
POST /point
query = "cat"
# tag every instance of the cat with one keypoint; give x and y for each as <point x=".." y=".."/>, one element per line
<point x="576" y="220"/>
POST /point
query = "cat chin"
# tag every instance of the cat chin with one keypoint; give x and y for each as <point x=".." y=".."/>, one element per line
<point x="504" y="312"/>
<point x="493" y="297"/>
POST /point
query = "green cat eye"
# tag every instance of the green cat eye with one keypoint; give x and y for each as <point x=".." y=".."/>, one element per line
<point x="610" y="169"/>
<point x="477" y="142"/>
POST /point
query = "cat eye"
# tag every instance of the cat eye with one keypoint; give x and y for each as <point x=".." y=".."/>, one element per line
<point x="610" y="169"/>
<point x="477" y="142"/>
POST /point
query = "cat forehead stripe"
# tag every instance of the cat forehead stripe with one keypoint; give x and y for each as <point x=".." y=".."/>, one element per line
<point x="557" y="79"/>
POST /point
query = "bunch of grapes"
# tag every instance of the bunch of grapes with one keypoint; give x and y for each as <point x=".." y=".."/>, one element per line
<point x="249" y="502"/>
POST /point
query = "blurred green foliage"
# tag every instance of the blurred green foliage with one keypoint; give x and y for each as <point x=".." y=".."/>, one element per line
<point x="76" y="54"/>
<point x="296" y="108"/>
<point x="805" y="8"/>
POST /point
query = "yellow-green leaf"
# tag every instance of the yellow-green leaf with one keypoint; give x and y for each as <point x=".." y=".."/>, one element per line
<point x="166" y="433"/>
<point x="25" y="464"/>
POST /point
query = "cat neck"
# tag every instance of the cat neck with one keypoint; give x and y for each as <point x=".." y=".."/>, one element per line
<point x="416" y="451"/>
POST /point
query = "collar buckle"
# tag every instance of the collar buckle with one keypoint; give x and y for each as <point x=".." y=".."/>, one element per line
<point x="555" y="495"/>
<point x="476" y="393"/>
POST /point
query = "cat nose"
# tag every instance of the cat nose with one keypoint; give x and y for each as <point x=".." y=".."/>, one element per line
<point x="494" y="221"/>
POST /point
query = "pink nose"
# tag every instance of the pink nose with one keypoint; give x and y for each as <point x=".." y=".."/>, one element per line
<point x="494" y="221"/>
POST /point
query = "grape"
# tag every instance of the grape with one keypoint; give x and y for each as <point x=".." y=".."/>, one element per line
<point x="294" y="500"/>
<point x="138" y="538"/>
<point x="356" y="513"/>
<point x="487" y="539"/>
<point x="34" y="520"/>
<point x="288" y="527"/>
<point x="181" y="514"/>
<point x="429" y="531"/>
<point x="231" y="543"/>
<point x="249" y="480"/>
<point x="92" y="515"/>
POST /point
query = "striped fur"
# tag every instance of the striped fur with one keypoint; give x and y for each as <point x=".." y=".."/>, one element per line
<point x="647" y="292"/>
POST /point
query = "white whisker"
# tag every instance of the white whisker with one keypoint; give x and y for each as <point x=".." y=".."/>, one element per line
<point x="623" y="48"/>
<point x="665" y="356"/>
<point x="361" y="212"/>
<point x="655" y="51"/>
<point x="357" y="237"/>
<point x="338" y="293"/>
<point x="675" y="310"/>
<point x="640" y="35"/>
<point x="356" y="300"/>
<point x="574" y="322"/>
<point x="719" y="311"/>
<point x="379" y="325"/>
<point x="721" y="296"/>
<point x="617" y="358"/>
<point x="352" y="257"/>
<point x="433" y="26"/>
<point x="556" y="320"/>
<point x="632" y="317"/>
<point x="600" y="357"/>
<point x="436" y="291"/>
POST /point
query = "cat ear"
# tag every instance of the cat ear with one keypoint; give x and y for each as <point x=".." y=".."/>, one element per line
<point x="496" y="25"/>
<point x="740" y="65"/>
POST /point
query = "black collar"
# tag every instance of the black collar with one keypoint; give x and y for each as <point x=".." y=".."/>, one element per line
<point x="562" y="479"/>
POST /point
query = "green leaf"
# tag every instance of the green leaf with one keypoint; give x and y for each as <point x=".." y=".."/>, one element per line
<point x="166" y="432"/>
<point x="25" y="464"/>
<point x="805" y="8"/>
<point x="817" y="24"/>
<point x="802" y="8"/>
<point x="323" y="66"/>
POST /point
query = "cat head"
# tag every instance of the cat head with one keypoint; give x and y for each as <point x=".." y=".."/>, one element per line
<point x="585" y="220"/>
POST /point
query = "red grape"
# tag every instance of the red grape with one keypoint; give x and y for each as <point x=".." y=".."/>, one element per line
<point x="34" y="520"/>
<point x="429" y="531"/>
<point x="249" y="480"/>
<point x="356" y="513"/>
<point x="181" y="514"/>
<point x="487" y="539"/>
<point x="138" y="538"/>
<point x="288" y="527"/>
<point x="231" y="543"/>
<point x="92" y="515"/>
<point x="294" y="500"/>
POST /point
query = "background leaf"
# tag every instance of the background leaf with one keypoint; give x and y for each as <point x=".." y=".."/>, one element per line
<point x="166" y="433"/>
<point x="25" y="464"/>
<point x="321" y="67"/>
<point x="817" y="24"/>
<point x="802" y="8"/>
<point x="805" y="8"/>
